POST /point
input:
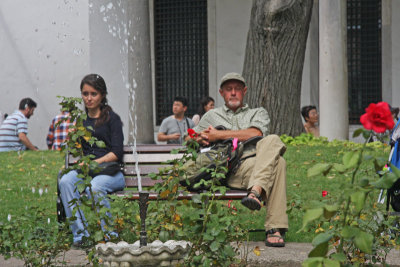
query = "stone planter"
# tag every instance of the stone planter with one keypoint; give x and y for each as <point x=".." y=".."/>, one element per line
<point x="157" y="253"/>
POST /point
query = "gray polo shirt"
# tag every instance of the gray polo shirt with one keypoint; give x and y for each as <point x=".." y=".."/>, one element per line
<point x="171" y="125"/>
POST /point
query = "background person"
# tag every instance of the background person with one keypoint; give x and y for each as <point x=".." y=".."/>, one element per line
<point x="206" y="103"/>
<point x="14" y="129"/>
<point x="263" y="175"/>
<point x="58" y="134"/>
<point x="174" y="127"/>
<point x="311" y="118"/>
<point x="107" y="127"/>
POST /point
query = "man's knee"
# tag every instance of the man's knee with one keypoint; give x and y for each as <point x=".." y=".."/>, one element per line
<point x="273" y="140"/>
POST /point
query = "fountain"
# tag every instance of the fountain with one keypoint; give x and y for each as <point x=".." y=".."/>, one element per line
<point x="140" y="253"/>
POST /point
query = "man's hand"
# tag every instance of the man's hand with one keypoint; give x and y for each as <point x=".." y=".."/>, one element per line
<point x="174" y="136"/>
<point x="25" y="140"/>
<point x="164" y="137"/>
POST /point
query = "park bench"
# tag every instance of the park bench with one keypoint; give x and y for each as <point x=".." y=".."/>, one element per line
<point x="150" y="157"/>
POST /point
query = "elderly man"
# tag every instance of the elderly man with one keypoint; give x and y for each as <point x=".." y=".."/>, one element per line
<point x="14" y="129"/>
<point x="263" y="175"/>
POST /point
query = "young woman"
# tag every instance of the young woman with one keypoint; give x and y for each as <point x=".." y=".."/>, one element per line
<point x="107" y="127"/>
<point x="206" y="104"/>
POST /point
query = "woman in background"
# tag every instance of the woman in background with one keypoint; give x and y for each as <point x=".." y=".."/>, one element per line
<point x="311" y="118"/>
<point x="206" y="104"/>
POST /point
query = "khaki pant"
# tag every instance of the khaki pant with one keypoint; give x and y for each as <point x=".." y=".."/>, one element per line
<point x="267" y="170"/>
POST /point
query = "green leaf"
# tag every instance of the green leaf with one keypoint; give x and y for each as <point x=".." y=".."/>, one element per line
<point x="339" y="167"/>
<point x="358" y="132"/>
<point x="363" y="241"/>
<point x="395" y="170"/>
<point x="367" y="157"/>
<point x="364" y="182"/>
<point x="349" y="231"/>
<point x="99" y="235"/>
<point x="358" y="198"/>
<point x="387" y="180"/>
<point x="331" y="263"/>
<point x="339" y="257"/>
<point x="313" y="262"/>
<point x="214" y="246"/>
<point x="310" y="215"/>
<point x="350" y="159"/>
<point x="163" y="236"/>
<point x="330" y="211"/>
<point x="319" y="251"/>
<point x="321" y="238"/>
<point x="100" y="144"/>
<point x="379" y="163"/>
<point x="319" y="168"/>
<point x="196" y="198"/>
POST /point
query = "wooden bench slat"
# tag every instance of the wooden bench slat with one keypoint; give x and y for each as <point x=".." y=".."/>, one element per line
<point x="150" y="158"/>
<point x="230" y="194"/>
<point x="130" y="170"/>
<point x="152" y="148"/>
<point x="146" y="181"/>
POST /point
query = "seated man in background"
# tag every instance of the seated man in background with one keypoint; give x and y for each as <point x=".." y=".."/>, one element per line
<point x="174" y="127"/>
<point x="263" y="175"/>
<point x="14" y="129"/>
<point x="311" y="118"/>
<point x="58" y="133"/>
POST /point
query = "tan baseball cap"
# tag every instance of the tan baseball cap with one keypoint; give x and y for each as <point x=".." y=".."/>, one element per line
<point x="232" y="76"/>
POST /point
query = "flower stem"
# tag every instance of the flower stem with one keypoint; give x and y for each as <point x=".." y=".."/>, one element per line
<point x="346" y="211"/>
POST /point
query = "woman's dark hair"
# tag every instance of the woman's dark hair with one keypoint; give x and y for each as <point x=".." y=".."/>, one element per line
<point x="204" y="102"/>
<point x="98" y="83"/>
<point x="306" y="110"/>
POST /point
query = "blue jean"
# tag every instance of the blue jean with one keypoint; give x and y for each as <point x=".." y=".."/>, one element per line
<point x="101" y="185"/>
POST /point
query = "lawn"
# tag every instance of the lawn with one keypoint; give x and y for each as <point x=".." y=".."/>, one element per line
<point x="29" y="178"/>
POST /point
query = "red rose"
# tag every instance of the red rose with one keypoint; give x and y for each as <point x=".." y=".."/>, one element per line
<point x="377" y="118"/>
<point x="324" y="193"/>
<point x="192" y="133"/>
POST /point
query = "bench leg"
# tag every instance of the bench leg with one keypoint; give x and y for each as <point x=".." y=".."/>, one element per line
<point x="143" y="204"/>
<point x="60" y="207"/>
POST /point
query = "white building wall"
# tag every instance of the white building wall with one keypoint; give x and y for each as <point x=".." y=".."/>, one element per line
<point x="44" y="48"/>
<point x="231" y="20"/>
<point x="109" y="50"/>
<point x="395" y="19"/>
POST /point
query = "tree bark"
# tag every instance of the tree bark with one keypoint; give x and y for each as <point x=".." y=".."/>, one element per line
<point x="274" y="59"/>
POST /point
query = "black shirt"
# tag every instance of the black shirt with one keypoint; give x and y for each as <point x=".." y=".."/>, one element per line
<point x="110" y="132"/>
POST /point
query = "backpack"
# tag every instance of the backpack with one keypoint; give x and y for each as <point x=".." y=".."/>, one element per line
<point x="221" y="154"/>
<point x="393" y="194"/>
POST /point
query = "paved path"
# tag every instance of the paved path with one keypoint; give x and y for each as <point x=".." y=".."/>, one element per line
<point x="291" y="255"/>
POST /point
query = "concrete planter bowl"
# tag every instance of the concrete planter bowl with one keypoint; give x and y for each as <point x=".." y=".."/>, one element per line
<point x="156" y="253"/>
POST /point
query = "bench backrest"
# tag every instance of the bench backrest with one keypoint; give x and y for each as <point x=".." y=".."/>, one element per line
<point x="150" y="158"/>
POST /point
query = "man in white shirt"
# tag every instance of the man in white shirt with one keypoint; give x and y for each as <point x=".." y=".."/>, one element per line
<point x="14" y="129"/>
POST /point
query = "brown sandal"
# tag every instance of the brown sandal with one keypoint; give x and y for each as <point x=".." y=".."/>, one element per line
<point x="251" y="203"/>
<point x="271" y="233"/>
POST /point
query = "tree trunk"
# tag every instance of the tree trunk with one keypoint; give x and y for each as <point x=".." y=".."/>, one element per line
<point x="273" y="65"/>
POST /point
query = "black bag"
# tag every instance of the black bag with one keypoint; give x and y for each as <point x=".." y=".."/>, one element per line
<point x="220" y="154"/>
<point x="105" y="168"/>
<point x="393" y="194"/>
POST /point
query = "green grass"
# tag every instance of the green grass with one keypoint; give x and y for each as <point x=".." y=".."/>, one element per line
<point x="23" y="176"/>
